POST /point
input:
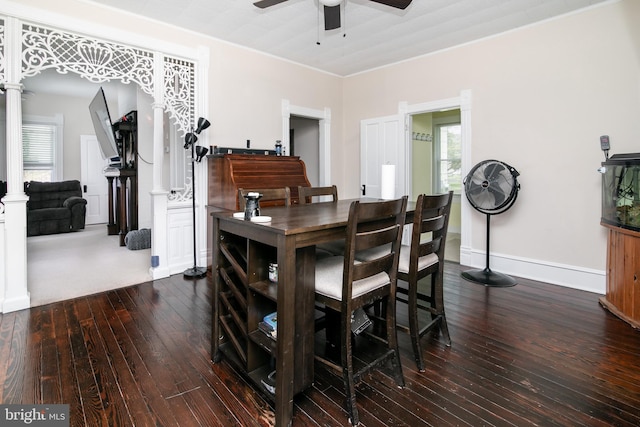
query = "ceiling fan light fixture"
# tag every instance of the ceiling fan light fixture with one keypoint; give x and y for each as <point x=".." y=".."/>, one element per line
<point x="330" y="3"/>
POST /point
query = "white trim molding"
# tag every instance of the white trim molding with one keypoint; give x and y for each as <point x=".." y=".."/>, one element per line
<point x="324" y="143"/>
<point x="570" y="276"/>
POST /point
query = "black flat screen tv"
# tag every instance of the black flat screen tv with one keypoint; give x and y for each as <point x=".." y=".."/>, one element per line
<point x="104" y="129"/>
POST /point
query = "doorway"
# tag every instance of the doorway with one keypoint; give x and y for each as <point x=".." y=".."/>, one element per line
<point x="436" y="165"/>
<point x="304" y="137"/>
<point x="57" y="265"/>
<point x="92" y="177"/>
<point x="319" y="156"/>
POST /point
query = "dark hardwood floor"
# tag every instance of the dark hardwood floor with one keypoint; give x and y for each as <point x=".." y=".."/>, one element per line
<point x="534" y="354"/>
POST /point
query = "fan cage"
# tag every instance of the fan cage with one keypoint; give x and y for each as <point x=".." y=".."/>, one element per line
<point x="481" y="189"/>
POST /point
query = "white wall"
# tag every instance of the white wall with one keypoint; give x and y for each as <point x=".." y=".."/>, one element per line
<point x="541" y="97"/>
<point x="77" y="122"/>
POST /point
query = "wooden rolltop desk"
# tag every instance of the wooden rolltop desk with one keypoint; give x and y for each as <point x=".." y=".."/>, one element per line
<point x="229" y="172"/>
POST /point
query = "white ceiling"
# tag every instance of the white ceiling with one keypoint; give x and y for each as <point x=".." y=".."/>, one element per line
<point x="375" y="35"/>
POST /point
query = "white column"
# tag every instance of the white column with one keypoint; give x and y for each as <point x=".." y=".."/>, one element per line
<point x="159" y="201"/>
<point x="159" y="235"/>
<point x="466" y="254"/>
<point x="159" y="229"/>
<point x="158" y="146"/>
<point x="16" y="295"/>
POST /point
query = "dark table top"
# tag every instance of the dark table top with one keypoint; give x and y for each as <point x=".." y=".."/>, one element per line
<point x="305" y="218"/>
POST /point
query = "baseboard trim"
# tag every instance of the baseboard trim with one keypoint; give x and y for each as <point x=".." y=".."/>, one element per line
<point x="569" y="276"/>
<point x="15" y="304"/>
<point x="159" y="272"/>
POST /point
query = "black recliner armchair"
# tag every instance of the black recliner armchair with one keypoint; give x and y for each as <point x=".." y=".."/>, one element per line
<point x="54" y="207"/>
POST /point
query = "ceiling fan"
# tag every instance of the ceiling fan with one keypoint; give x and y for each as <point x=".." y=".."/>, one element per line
<point x="332" y="17"/>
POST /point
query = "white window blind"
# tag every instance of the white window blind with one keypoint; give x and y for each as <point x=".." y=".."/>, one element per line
<point x="38" y="151"/>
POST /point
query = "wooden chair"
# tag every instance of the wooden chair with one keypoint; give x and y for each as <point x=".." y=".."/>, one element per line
<point x="306" y="194"/>
<point x="270" y="196"/>
<point x="345" y="285"/>
<point x="424" y="257"/>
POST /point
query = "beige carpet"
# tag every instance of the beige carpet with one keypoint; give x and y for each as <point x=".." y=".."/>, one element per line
<point x="69" y="265"/>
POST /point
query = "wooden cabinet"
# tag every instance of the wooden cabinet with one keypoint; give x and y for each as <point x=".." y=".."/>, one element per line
<point x="623" y="275"/>
<point x="228" y="172"/>
<point x="244" y="297"/>
<point x="123" y="183"/>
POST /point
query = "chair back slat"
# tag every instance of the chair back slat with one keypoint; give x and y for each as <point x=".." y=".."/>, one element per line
<point x="374" y="238"/>
<point x="429" y="224"/>
<point x="307" y="194"/>
<point x="370" y="268"/>
<point x="270" y="196"/>
<point x="432" y="246"/>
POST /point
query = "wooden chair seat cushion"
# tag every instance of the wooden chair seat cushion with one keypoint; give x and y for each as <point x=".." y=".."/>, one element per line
<point x="423" y="262"/>
<point x="329" y="273"/>
<point x="403" y="261"/>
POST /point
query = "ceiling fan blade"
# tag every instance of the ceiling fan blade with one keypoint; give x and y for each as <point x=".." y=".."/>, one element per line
<point x="331" y="17"/>
<point x="398" y="4"/>
<point x="262" y="4"/>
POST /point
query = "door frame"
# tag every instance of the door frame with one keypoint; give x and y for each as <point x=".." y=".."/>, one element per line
<point x="463" y="103"/>
<point x="324" y="142"/>
<point x="102" y="195"/>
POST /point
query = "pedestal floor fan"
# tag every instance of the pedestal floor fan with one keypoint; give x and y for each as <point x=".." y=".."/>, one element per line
<point x="491" y="187"/>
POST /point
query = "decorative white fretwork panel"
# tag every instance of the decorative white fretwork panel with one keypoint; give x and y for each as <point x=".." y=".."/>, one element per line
<point x="100" y="61"/>
<point x="179" y="86"/>
<point x="3" y="60"/>
<point x="95" y="60"/>
<point x="185" y="195"/>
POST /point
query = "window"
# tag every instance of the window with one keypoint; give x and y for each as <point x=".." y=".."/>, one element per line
<point x="41" y="145"/>
<point x="447" y="158"/>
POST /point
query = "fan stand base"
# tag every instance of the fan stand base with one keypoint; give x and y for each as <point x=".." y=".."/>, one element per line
<point x="195" y="272"/>
<point x="488" y="278"/>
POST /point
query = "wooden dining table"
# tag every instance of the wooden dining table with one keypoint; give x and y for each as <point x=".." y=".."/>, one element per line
<point x="290" y="237"/>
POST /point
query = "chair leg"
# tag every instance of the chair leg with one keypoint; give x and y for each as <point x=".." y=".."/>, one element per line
<point x="392" y="340"/>
<point x="438" y="298"/>
<point x="414" y="327"/>
<point x="347" y="370"/>
<point x="445" y="330"/>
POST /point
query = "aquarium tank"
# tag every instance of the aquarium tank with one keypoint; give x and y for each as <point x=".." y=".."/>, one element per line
<point x="621" y="191"/>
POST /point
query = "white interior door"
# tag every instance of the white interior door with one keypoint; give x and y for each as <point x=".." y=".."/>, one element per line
<point x="382" y="143"/>
<point x="95" y="189"/>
